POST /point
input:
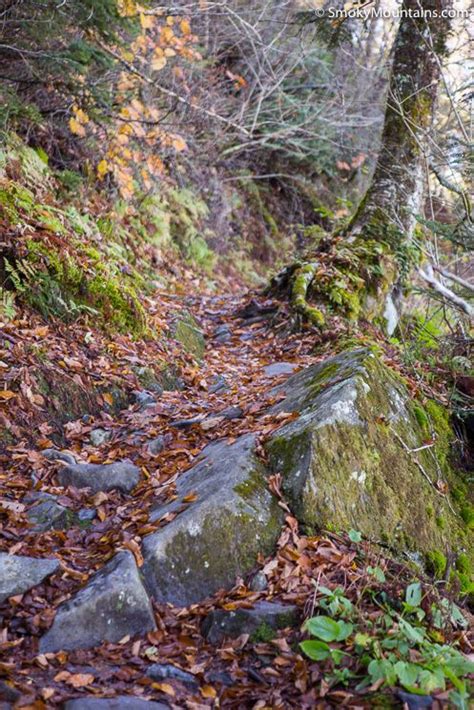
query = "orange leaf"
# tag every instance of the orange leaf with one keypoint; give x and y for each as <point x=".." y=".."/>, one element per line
<point x="7" y="394"/>
<point x="179" y="143"/>
<point x="185" y="27"/>
<point x="164" y="687"/>
<point x="207" y="691"/>
<point x="79" y="680"/>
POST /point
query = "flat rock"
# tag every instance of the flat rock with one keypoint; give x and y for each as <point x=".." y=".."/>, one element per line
<point x="260" y="620"/>
<point x="232" y="412"/>
<point x="99" y="436"/>
<point x="232" y="519"/>
<point x="47" y="514"/>
<point x="218" y="384"/>
<point x="122" y="476"/>
<point x="222" y="334"/>
<point x="279" y="368"/>
<point x="18" y="574"/>
<point x="55" y="455"/>
<point x="120" y="702"/>
<point x="348" y="462"/>
<point x="162" y="671"/>
<point x="187" y="332"/>
<point x="113" y="604"/>
<point x="144" y="399"/>
<point x="156" y="446"/>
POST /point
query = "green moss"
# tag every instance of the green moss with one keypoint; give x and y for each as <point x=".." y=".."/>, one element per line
<point x="467" y="514"/>
<point x="421" y="417"/>
<point x="436" y="563"/>
<point x="187" y="332"/>
<point x="263" y="634"/>
<point x="464" y="564"/>
<point x="441" y="522"/>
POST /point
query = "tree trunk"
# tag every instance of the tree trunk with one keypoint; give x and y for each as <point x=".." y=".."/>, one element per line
<point x="396" y="193"/>
<point x="362" y="273"/>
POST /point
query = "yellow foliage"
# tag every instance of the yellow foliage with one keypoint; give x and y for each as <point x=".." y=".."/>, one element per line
<point x="102" y="169"/>
<point x="158" y="63"/>
<point x="185" y="27"/>
<point x="127" y="8"/>
<point x="179" y="143"/>
<point x="147" y="21"/>
<point x="76" y="127"/>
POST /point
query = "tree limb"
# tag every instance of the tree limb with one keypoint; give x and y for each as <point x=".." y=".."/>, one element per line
<point x="428" y="275"/>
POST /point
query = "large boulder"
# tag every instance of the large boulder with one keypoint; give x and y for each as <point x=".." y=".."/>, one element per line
<point x="361" y="455"/>
<point x="232" y="518"/>
<point x="113" y="604"/>
<point x="18" y="574"/>
<point x="121" y="476"/>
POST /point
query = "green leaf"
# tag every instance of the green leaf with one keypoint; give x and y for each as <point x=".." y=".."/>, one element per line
<point x="316" y="650"/>
<point x="355" y="535"/>
<point x="414" y="635"/>
<point x="345" y="630"/>
<point x="362" y="640"/>
<point x="407" y="673"/>
<point x="323" y="627"/>
<point x="413" y="594"/>
<point x="377" y="573"/>
<point x="382" y="670"/>
<point x="430" y="680"/>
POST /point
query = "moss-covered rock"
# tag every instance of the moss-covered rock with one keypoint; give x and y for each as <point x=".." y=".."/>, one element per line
<point x="187" y="332"/>
<point x="355" y="459"/>
<point x="232" y="517"/>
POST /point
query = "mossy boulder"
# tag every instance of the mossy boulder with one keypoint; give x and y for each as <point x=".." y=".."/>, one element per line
<point x="361" y="456"/>
<point x="230" y="519"/>
<point x="187" y="332"/>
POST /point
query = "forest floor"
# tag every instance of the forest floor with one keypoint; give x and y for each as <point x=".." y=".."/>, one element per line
<point x="240" y="673"/>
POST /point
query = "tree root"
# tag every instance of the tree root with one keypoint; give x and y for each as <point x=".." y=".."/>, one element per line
<point x="299" y="294"/>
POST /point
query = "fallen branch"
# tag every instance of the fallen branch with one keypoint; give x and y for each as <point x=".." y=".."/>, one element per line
<point x="428" y="275"/>
<point x="453" y="277"/>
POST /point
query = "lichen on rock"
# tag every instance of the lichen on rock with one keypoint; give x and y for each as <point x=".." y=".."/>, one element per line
<point x="352" y="458"/>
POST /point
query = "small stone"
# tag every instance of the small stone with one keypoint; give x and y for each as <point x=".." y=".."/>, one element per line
<point x="47" y="513"/>
<point x="8" y="693"/>
<point x="415" y="702"/>
<point x="86" y="514"/>
<point x="18" y="573"/>
<point x="122" y="476"/>
<point x="220" y="623"/>
<point x="185" y="423"/>
<point x="156" y="446"/>
<point x="99" y="436"/>
<point x="119" y="702"/>
<point x="161" y="671"/>
<point x="54" y="455"/>
<point x="259" y="582"/>
<point x="232" y="413"/>
<point x="222" y="334"/>
<point x="144" y="399"/>
<point x="279" y="368"/>
<point x="113" y="604"/>
<point x="218" y="384"/>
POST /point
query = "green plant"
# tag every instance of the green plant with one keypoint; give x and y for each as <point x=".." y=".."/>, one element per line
<point x="396" y="648"/>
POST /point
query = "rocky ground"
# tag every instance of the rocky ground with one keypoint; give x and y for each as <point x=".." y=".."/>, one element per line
<point x="164" y="549"/>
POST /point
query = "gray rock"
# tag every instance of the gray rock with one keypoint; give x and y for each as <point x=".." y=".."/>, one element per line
<point x="122" y="476"/>
<point x="185" y="423"/>
<point x="8" y="693"/>
<point x="187" y="332"/>
<point x="222" y="334"/>
<point x="218" y="384"/>
<point x="162" y="671"/>
<point x="232" y="413"/>
<point x="279" y="368"/>
<point x="219" y="536"/>
<point x="99" y="436"/>
<point x="144" y="399"/>
<point x="257" y="622"/>
<point x="119" y="702"/>
<point x="112" y="605"/>
<point x="346" y="460"/>
<point x="54" y="455"/>
<point x="47" y="513"/>
<point x="86" y="515"/>
<point x="259" y="582"/>
<point x="156" y="446"/>
<point x="18" y="573"/>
